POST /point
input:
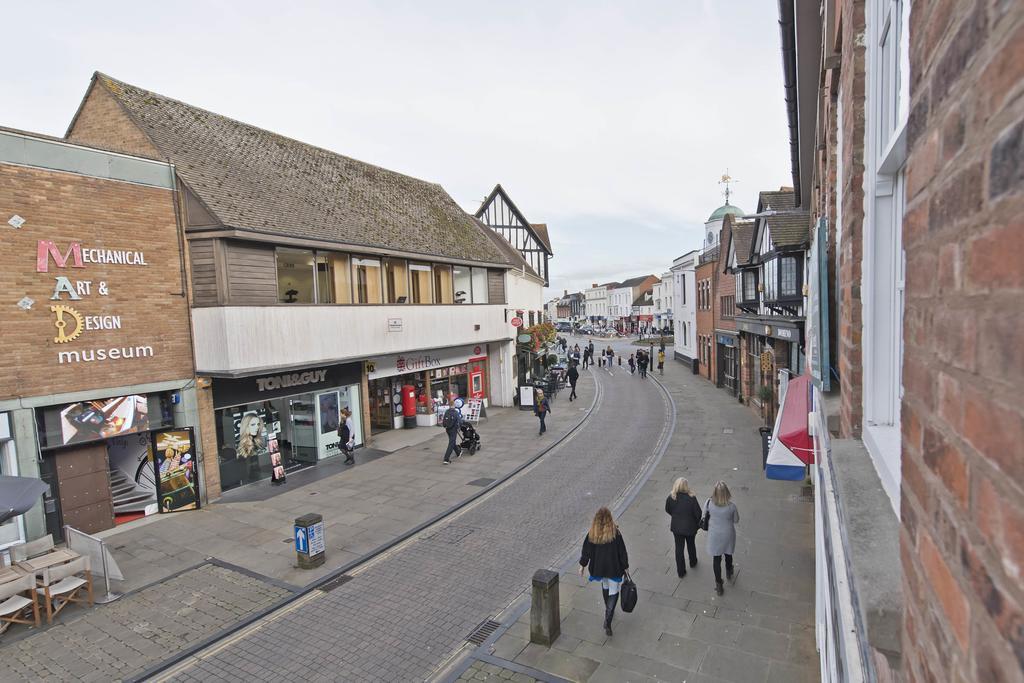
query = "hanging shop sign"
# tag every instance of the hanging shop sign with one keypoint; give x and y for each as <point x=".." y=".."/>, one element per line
<point x="237" y="390"/>
<point x="177" y="477"/>
<point x="516" y="322"/>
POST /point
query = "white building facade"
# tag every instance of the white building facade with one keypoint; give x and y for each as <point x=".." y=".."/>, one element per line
<point x="663" y="301"/>
<point x="684" y="309"/>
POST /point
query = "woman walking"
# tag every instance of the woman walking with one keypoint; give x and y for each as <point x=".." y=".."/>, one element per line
<point x="541" y="410"/>
<point x="347" y="435"/>
<point x="722" y="520"/>
<point x="632" y="364"/>
<point x="604" y="552"/>
<point x="686" y="513"/>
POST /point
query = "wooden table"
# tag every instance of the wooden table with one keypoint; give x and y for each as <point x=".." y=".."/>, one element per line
<point x="10" y="574"/>
<point x="60" y="556"/>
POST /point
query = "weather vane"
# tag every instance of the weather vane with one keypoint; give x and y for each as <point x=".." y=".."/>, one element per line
<point x="727" y="180"/>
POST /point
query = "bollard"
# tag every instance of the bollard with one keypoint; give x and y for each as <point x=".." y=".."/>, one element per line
<point x="309" y="541"/>
<point x="545" y="622"/>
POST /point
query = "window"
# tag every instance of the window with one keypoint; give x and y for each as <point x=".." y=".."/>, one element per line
<point x="463" y="284"/>
<point x="396" y="286"/>
<point x="479" y="277"/>
<point x="295" y="276"/>
<point x="366" y="277"/>
<point x="683" y="280"/>
<point x="883" y="258"/>
<point x="771" y="282"/>
<point x="442" y="284"/>
<point x="419" y="283"/>
<point x="788" y="280"/>
<point x="333" y="281"/>
<point x="749" y="285"/>
<point x="728" y="304"/>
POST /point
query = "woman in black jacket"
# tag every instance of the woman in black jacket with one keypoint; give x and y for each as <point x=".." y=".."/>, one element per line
<point x="605" y="552"/>
<point x="686" y="514"/>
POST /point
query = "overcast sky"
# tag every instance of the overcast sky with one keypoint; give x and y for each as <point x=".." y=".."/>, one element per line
<point x="609" y="121"/>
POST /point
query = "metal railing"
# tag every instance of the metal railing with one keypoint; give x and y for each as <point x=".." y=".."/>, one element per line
<point x="99" y="556"/>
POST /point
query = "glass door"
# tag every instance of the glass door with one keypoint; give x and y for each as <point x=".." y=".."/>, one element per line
<point x="302" y="414"/>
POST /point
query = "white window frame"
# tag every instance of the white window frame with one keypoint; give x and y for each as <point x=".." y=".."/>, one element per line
<point x="887" y="106"/>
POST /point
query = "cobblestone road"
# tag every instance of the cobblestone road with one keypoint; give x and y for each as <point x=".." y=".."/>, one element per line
<point x="401" y="616"/>
<point x="131" y="634"/>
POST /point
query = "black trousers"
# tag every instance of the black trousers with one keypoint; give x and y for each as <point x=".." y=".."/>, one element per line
<point x="684" y="543"/>
<point x="452" y="445"/>
<point x="543" y="427"/>
<point x="718" y="567"/>
<point x="573" y="394"/>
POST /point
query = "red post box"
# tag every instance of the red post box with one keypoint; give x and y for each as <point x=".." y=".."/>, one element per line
<point x="409" y="405"/>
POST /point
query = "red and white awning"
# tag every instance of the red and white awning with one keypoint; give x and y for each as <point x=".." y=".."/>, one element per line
<point x="792" y="447"/>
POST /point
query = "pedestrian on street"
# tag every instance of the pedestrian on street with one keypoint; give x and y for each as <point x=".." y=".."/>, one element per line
<point x="347" y="435"/>
<point x="641" y="362"/>
<point x="722" y="520"/>
<point x="610" y="359"/>
<point x="591" y="347"/>
<point x="604" y="551"/>
<point x="686" y="513"/>
<point x="541" y="409"/>
<point x="661" y="362"/>
<point x="574" y="375"/>
<point x="632" y="364"/>
<point x="586" y="358"/>
<point x="451" y="421"/>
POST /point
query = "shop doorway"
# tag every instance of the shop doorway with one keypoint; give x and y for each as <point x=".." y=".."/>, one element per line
<point x="382" y="410"/>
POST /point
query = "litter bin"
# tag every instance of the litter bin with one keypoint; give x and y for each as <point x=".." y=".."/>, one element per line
<point x="696" y="366"/>
<point x="766" y="437"/>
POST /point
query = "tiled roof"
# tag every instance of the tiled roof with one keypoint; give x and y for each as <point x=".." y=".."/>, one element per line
<point x="259" y="181"/>
<point x="542" y="232"/>
<point x="788" y="229"/>
<point x="634" y="281"/>
<point x="742" y="234"/>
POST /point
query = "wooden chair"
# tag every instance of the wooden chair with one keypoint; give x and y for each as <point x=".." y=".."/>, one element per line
<point x="60" y="585"/>
<point x="25" y="551"/>
<point x="13" y="602"/>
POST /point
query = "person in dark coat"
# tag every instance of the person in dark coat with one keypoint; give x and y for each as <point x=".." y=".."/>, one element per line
<point x="686" y="514"/>
<point x="604" y="552"/>
<point x="573" y="375"/>
<point x="541" y="409"/>
<point x="451" y="426"/>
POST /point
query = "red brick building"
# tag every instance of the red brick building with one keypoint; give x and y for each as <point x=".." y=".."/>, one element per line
<point x="707" y="267"/>
<point x="907" y="135"/>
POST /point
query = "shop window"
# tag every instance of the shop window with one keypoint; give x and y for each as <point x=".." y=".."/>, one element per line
<point x="442" y="284"/>
<point x="295" y="276"/>
<point x="479" y="278"/>
<point x="463" y="284"/>
<point x="366" y="278"/>
<point x="788" y="280"/>
<point x="420" y="286"/>
<point x="396" y="281"/>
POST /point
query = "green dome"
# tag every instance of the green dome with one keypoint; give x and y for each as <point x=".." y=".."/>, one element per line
<point x="724" y="209"/>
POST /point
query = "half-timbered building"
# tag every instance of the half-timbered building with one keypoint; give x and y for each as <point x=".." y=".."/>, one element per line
<point x="500" y="214"/>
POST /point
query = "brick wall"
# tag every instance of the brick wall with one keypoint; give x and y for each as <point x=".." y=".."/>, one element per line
<point x="67" y="208"/>
<point x="102" y="122"/>
<point x="851" y="91"/>
<point x="963" y="417"/>
<point x="706" y="319"/>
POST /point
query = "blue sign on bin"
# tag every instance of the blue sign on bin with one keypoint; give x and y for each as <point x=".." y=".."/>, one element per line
<point x="301" y="540"/>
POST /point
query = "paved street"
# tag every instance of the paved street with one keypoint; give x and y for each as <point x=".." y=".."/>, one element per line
<point x="406" y="613"/>
<point x="760" y="630"/>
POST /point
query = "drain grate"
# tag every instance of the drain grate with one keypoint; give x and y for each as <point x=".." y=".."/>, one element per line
<point x="452" y="534"/>
<point x="334" y="583"/>
<point x="727" y="430"/>
<point x="483" y="481"/>
<point x="482" y="632"/>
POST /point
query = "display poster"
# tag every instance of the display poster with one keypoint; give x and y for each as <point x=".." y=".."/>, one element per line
<point x="328" y="407"/>
<point x="92" y="420"/>
<point x="132" y="457"/>
<point x="177" y="476"/>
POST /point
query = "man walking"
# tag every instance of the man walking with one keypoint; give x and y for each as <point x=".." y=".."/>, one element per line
<point x="574" y="375"/>
<point x="452" y="420"/>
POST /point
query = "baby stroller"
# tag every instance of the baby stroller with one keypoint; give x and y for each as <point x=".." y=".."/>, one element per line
<point x="470" y="438"/>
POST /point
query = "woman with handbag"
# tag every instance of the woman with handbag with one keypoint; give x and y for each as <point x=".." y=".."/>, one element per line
<point x="686" y="514"/>
<point x="604" y="552"/>
<point x="720" y="520"/>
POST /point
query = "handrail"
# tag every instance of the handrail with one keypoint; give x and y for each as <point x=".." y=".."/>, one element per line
<point x="99" y="554"/>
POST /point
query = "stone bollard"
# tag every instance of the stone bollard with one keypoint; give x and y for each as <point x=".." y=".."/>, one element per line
<point x="545" y="620"/>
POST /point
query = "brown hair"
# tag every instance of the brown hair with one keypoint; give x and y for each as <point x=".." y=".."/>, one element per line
<point x="602" y="529"/>
<point x="721" y="495"/>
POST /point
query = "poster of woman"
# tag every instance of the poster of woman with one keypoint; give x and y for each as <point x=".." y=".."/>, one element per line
<point x="177" y="477"/>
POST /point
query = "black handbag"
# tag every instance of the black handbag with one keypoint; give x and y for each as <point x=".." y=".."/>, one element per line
<point x="707" y="516"/>
<point x="627" y="594"/>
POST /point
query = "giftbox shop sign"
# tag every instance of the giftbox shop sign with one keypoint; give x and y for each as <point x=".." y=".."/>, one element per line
<point x="238" y="390"/>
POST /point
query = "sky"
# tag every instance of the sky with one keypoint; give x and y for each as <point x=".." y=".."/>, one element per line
<point x="612" y="122"/>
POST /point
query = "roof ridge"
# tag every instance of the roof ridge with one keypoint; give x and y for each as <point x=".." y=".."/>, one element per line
<point x="110" y="79"/>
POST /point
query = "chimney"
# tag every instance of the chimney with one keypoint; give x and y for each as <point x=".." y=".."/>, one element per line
<point x="594" y="286"/>
<point x="566" y="292"/>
